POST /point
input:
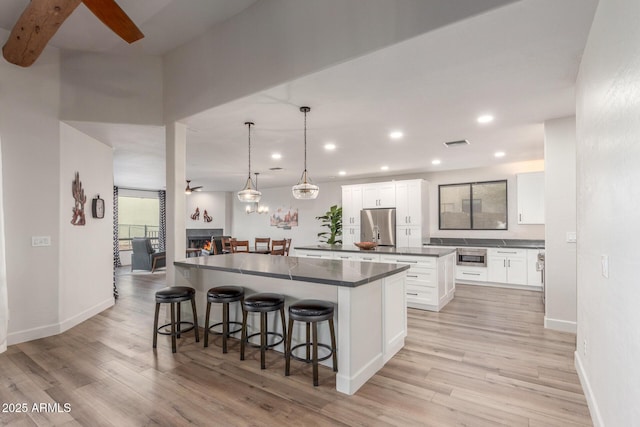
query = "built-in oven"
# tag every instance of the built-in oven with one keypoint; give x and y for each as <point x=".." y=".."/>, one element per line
<point x="472" y="257"/>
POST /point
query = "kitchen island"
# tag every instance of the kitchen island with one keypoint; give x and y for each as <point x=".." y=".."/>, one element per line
<point x="371" y="317"/>
<point x="430" y="280"/>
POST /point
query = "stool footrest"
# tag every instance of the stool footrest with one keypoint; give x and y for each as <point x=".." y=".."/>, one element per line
<point x="212" y="332"/>
<point x="304" y="359"/>
<point x="257" y="334"/>
<point x="178" y="330"/>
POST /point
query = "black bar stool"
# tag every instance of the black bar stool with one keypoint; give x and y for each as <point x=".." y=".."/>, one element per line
<point x="311" y="312"/>
<point x="222" y="295"/>
<point x="262" y="303"/>
<point x="174" y="295"/>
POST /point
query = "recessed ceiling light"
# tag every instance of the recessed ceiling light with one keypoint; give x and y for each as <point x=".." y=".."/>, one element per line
<point x="384" y="168"/>
<point x="342" y="173"/>
<point x="435" y="162"/>
<point x="396" y="134"/>
<point x="499" y="154"/>
<point x="276" y="156"/>
<point x="330" y="146"/>
<point x="485" y="118"/>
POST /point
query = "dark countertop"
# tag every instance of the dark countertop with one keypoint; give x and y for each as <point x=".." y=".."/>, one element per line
<point x="487" y="243"/>
<point x="432" y="252"/>
<point x="324" y="271"/>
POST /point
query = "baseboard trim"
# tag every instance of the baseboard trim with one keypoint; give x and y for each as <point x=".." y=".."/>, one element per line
<point x="596" y="418"/>
<point x="87" y="314"/>
<point x="56" y="328"/>
<point x="560" y="325"/>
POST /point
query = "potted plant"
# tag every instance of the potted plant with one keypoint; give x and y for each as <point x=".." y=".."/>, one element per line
<point x="332" y="219"/>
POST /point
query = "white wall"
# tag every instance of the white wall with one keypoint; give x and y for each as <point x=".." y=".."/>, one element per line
<point x="86" y="252"/>
<point x="608" y="195"/>
<point x="111" y="88"/>
<point x="254" y="225"/>
<point x="215" y="204"/>
<point x="276" y="41"/>
<point x="560" y="218"/>
<point x="30" y="151"/>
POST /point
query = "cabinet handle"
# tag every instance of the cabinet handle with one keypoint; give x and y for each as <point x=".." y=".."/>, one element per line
<point x="470" y="274"/>
<point x="409" y="262"/>
<point x="367" y="259"/>
<point x="504" y="262"/>
<point x="409" y="219"/>
<point x="507" y="252"/>
<point x="411" y="275"/>
<point x="344" y="257"/>
<point x="509" y="263"/>
<point x="409" y="293"/>
<point x="520" y="217"/>
<point x="315" y="256"/>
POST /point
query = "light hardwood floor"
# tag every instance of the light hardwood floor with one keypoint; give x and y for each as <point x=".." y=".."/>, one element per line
<point x="485" y="360"/>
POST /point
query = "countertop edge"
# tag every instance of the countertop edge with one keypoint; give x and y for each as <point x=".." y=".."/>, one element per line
<point x="373" y="251"/>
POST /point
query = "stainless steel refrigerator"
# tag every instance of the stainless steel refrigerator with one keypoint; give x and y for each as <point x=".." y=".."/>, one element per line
<point x="378" y="225"/>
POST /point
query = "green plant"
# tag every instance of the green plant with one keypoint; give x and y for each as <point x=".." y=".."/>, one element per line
<point x="332" y="219"/>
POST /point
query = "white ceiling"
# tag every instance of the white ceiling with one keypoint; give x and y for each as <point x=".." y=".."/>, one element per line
<point x="517" y="62"/>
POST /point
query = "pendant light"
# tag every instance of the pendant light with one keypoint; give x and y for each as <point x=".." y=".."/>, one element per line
<point x="248" y="194"/>
<point x="305" y="189"/>
<point x="257" y="207"/>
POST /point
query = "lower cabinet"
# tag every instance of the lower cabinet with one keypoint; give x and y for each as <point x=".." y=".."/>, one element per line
<point x="507" y="266"/>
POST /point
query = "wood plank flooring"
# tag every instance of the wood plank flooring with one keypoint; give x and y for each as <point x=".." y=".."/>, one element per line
<point x="485" y="360"/>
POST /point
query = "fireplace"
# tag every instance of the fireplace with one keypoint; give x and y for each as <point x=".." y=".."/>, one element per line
<point x="197" y="237"/>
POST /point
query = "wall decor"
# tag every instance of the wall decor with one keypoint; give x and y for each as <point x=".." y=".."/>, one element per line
<point x="80" y="200"/>
<point x="196" y="215"/>
<point x="206" y="217"/>
<point x="285" y="218"/>
<point x="97" y="207"/>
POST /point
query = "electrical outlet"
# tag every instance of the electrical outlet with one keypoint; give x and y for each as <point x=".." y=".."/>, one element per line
<point x="604" y="261"/>
<point x="584" y="348"/>
<point x="571" y="237"/>
<point x="186" y="273"/>
<point x="37" y="241"/>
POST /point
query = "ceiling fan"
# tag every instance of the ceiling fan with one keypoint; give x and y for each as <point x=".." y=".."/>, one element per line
<point x="189" y="189"/>
<point x="42" y="18"/>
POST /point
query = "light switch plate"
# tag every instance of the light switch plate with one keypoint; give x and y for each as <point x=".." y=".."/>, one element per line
<point x="571" y="237"/>
<point x="37" y="241"/>
<point x="604" y="260"/>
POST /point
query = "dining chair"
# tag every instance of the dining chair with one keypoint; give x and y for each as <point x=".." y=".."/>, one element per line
<point x="226" y="244"/>
<point x="239" y="246"/>
<point x="262" y="244"/>
<point x="278" y="247"/>
<point x="287" y="246"/>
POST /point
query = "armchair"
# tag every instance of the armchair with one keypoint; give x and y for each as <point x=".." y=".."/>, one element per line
<point x="144" y="257"/>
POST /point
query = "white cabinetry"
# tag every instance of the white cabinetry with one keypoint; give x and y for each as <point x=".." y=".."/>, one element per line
<point x="530" y="196"/>
<point x="379" y="195"/>
<point x="430" y="280"/>
<point x="507" y="266"/>
<point x="351" y="205"/>
<point x="408" y="237"/>
<point x="350" y="235"/>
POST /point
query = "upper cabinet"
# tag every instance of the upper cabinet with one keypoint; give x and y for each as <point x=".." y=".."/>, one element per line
<point x="410" y="198"/>
<point x="379" y="195"/>
<point x="351" y="205"/>
<point x="530" y="194"/>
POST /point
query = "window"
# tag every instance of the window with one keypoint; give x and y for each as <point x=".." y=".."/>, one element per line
<point x="138" y="217"/>
<point x="473" y="206"/>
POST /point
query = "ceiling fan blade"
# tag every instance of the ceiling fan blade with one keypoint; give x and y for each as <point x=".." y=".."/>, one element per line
<point x="35" y="27"/>
<point x="114" y="17"/>
<point x="198" y="188"/>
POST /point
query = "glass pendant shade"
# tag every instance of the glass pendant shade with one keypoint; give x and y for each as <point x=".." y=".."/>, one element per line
<point x="250" y="192"/>
<point x="305" y="189"/>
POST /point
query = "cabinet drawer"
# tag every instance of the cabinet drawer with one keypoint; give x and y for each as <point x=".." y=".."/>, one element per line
<point x="422" y="295"/>
<point x="417" y="261"/>
<point x="506" y="252"/>
<point x="478" y="274"/>
<point x="422" y="279"/>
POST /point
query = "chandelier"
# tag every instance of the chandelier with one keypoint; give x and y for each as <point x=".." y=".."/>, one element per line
<point x="305" y="189"/>
<point x="248" y="194"/>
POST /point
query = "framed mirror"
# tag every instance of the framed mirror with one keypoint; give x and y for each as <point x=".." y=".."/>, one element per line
<point x="473" y="206"/>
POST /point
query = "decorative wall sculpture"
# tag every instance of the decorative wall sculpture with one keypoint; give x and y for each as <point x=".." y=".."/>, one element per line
<point x="206" y="217"/>
<point x="196" y="215"/>
<point x="80" y="200"/>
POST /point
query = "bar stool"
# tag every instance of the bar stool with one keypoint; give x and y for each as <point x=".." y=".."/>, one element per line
<point x="174" y="295"/>
<point x="262" y="303"/>
<point x="222" y="295"/>
<point x="311" y="312"/>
